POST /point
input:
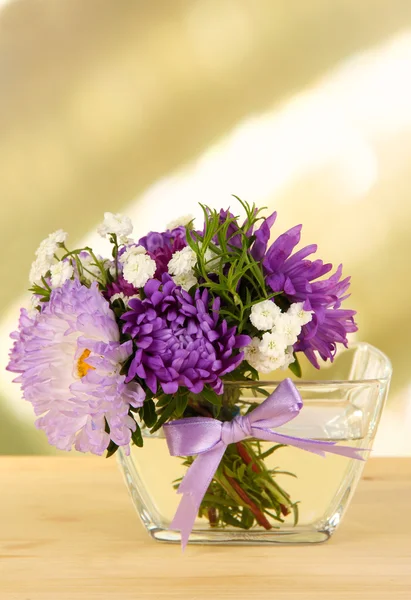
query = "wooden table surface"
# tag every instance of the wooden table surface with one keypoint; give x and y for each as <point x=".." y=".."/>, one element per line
<point x="69" y="532"/>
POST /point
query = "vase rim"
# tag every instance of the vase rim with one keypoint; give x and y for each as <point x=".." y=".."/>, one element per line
<point x="364" y="346"/>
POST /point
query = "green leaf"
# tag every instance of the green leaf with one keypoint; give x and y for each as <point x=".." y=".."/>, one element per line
<point x="249" y="369"/>
<point x="111" y="449"/>
<point x="295" y="367"/>
<point x="212" y="500"/>
<point x="149" y="413"/>
<point x="125" y="367"/>
<point x="165" y="415"/>
<point x="163" y="400"/>
<point x="137" y="437"/>
<point x="271" y="450"/>
<point x="247" y="518"/>
<point x="294" y="508"/>
<point x="229" y="472"/>
<point x="275" y="517"/>
<point x="211" y="397"/>
<point x="241" y="472"/>
<point x="230" y="520"/>
<point x="277" y="472"/>
<point x="181" y="404"/>
<point x="262" y="391"/>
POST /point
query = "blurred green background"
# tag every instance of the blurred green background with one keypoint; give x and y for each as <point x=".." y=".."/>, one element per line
<point x="148" y="107"/>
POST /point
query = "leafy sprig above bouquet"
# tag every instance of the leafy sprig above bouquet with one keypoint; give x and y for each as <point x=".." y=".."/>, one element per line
<point x="151" y="333"/>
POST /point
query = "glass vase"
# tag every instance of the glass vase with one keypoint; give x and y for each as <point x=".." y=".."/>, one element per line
<point x="345" y="408"/>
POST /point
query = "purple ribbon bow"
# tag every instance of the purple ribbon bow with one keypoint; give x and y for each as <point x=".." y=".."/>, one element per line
<point x="208" y="438"/>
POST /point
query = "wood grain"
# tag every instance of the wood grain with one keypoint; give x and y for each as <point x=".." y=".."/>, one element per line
<point x="69" y="532"/>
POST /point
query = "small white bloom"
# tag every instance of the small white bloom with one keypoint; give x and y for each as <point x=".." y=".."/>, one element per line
<point x="211" y="260"/>
<point x="119" y="296"/>
<point x="123" y="297"/>
<point x="60" y="272"/>
<point x="131" y="251"/>
<point x="252" y="351"/>
<point x="297" y="310"/>
<point x="182" y="261"/>
<point x="289" y="327"/>
<point x="111" y="265"/>
<point x="49" y="246"/>
<point x="270" y="363"/>
<point x="264" y="315"/>
<point x="262" y="363"/>
<point x="138" y="269"/>
<point x="88" y="263"/>
<point x="39" y="269"/>
<point x="181" y="222"/>
<point x="34" y="303"/>
<point x="266" y="355"/>
<point x="288" y="358"/>
<point x="118" y="224"/>
<point x="185" y="280"/>
<point x="272" y="344"/>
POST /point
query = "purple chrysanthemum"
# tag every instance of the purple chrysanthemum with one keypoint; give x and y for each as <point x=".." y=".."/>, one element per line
<point x="69" y="359"/>
<point x="180" y="341"/>
<point x="161" y="247"/>
<point x="302" y="280"/>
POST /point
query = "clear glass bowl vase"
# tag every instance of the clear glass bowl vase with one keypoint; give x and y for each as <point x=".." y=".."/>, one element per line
<point x="346" y="409"/>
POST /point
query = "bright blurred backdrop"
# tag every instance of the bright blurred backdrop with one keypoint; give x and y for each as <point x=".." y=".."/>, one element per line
<point x="149" y="107"/>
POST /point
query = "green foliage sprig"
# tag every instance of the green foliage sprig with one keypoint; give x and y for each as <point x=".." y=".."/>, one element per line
<point x="228" y="270"/>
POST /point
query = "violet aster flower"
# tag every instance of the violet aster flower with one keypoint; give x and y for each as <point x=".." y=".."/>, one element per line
<point x="234" y="239"/>
<point x="68" y="358"/>
<point x="180" y="340"/>
<point x="161" y="247"/>
<point x="261" y="234"/>
<point x="299" y="279"/>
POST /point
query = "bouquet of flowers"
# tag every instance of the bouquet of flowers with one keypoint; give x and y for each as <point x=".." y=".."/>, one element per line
<point x="117" y="346"/>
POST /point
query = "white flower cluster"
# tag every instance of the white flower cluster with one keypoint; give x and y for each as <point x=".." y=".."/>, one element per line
<point x="181" y="268"/>
<point x="275" y="349"/>
<point x="45" y="255"/>
<point x="118" y="224"/>
<point x="60" y="272"/>
<point x="138" y="267"/>
<point x="182" y="221"/>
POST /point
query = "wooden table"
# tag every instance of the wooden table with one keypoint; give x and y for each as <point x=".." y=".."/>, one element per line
<point x="68" y="531"/>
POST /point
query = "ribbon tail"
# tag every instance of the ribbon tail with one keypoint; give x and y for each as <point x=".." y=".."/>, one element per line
<point x="193" y="487"/>
<point x="184" y="518"/>
<point x="319" y="447"/>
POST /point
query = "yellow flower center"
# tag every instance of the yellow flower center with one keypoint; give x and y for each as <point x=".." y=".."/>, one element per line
<point x="82" y="367"/>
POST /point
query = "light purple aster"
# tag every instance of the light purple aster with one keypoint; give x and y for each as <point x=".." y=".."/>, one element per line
<point x="69" y="358"/>
<point x="302" y="280"/>
<point x="180" y="340"/>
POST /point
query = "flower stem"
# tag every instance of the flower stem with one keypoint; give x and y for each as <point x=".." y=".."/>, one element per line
<point x="212" y="517"/>
<point x="242" y="451"/>
<point x="260" y="518"/>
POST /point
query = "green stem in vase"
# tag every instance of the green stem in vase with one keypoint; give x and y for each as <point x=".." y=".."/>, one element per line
<point x="243" y="492"/>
